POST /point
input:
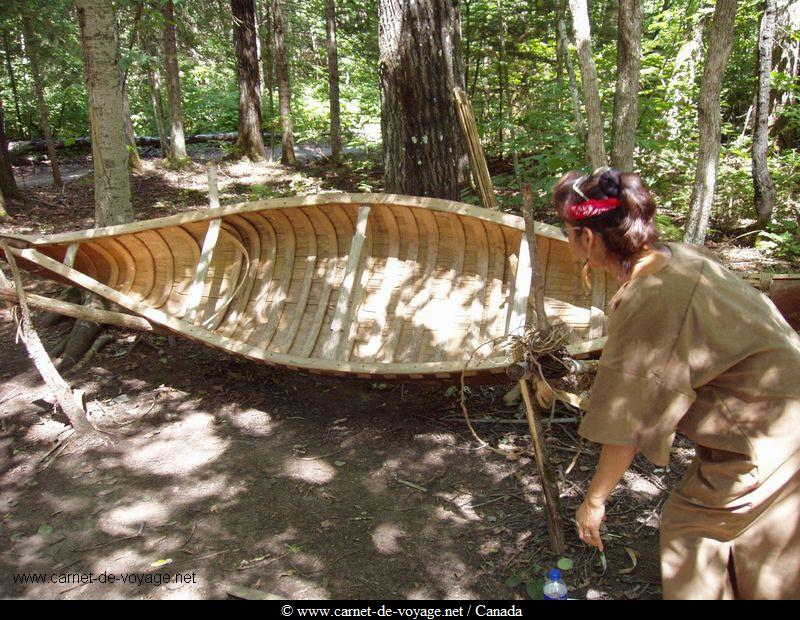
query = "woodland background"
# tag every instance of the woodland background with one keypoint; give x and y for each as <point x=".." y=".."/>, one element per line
<point x="520" y="76"/>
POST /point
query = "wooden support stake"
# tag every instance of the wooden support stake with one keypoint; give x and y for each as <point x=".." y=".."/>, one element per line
<point x="77" y="311"/>
<point x="548" y="481"/>
<point x="537" y="282"/>
<point x="61" y="390"/>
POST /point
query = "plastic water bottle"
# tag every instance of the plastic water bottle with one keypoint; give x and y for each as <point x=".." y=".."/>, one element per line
<point x="554" y="587"/>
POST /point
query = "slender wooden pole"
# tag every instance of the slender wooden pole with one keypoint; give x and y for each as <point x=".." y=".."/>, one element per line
<point x="548" y="481"/>
<point x="537" y="282"/>
<point x="77" y="311"/>
<point x="549" y="486"/>
<point x="61" y="390"/>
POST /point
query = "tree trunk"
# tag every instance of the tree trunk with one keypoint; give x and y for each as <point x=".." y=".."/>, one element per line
<point x="708" y="111"/>
<point x="563" y="43"/>
<point x="245" y="35"/>
<point x="629" y="62"/>
<point x="284" y="93"/>
<point x="8" y="184"/>
<point x="420" y="65"/>
<point x="177" y="145"/>
<point x="762" y="181"/>
<point x="270" y="75"/>
<point x="595" y="148"/>
<point x="3" y="212"/>
<point x="333" y="78"/>
<point x="156" y="99"/>
<point x="13" y="80"/>
<point x="112" y="190"/>
<point x="31" y="46"/>
<point x="134" y="161"/>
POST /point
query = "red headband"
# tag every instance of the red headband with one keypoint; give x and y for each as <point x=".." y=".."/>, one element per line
<point x="590" y="208"/>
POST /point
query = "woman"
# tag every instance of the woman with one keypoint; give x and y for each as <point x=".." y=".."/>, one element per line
<point x="691" y="348"/>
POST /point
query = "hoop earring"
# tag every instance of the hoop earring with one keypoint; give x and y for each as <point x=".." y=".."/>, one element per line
<point x="585" y="282"/>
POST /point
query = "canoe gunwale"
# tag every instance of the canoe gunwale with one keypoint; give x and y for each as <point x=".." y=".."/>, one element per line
<point x="434" y="204"/>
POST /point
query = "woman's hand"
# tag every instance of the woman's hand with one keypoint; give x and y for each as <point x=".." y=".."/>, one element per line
<point x="614" y="461"/>
<point x="589" y="517"/>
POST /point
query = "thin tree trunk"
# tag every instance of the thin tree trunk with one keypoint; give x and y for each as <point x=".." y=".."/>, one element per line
<point x="250" y="142"/>
<point x="595" y="148"/>
<point x="271" y="81"/>
<point x="7" y="182"/>
<point x="333" y="78"/>
<point x="3" y="212"/>
<point x="708" y="111"/>
<point x="32" y="47"/>
<point x="762" y="181"/>
<point x="13" y="80"/>
<point x="573" y="82"/>
<point x="501" y="99"/>
<point x="134" y="161"/>
<point x="422" y="146"/>
<point x="112" y="190"/>
<point x="629" y="62"/>
<point x="177" y="144"/>
<point x="284" y="92"/>
<point x="156" y="98"/>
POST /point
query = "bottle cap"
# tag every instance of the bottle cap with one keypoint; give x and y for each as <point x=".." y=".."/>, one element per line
<point x="554" y="574"/>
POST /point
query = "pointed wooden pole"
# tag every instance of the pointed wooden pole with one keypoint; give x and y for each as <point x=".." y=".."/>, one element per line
<point x="61" y="390"/>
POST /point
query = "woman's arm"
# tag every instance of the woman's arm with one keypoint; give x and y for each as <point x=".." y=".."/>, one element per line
<point x="614" y="462"/>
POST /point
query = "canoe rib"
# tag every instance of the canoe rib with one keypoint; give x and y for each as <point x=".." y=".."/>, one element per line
<point x="338" y="325"/>
<point x="190" y="308"/>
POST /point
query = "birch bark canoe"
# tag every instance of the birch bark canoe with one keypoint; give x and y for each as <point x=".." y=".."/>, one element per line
<point x="367" y="285"/>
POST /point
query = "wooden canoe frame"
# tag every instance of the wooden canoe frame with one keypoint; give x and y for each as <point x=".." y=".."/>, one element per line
<point x="25" y="249"/>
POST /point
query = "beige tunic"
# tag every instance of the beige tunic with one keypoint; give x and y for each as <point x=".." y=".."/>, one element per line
<point x="695" y="349"/>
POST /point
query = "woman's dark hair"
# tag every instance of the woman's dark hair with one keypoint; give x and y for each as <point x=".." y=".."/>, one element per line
<point x="626" y="229"/>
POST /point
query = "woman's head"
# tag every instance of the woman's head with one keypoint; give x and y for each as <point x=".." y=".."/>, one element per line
<point x="615" y="205"/>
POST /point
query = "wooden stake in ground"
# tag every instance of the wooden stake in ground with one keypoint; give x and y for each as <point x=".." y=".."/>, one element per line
<point x="548" y="481"/>
<point x="61" y="391"/>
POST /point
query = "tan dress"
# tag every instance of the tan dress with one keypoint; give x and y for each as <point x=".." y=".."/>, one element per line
<point x="692" y="348"/>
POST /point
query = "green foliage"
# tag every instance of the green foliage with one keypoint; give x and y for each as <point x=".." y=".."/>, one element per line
<point x="781" y="239"/>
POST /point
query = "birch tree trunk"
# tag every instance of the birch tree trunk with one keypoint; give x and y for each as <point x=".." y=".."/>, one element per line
<point x="708" y="111"/>
<point x="284" y="93"/>
<point x="250" y="142"/>
<point x="420" y="65"/>
<point x="595" y="148"/>
<point x="563" y="44"/>
<point x="32" y="48"/>
<point x="629" y="62"/>
<point x="112" y="190"/>
<point x="764" y="198"/>
<point x="333" y="78"/>
<point x="177" y="144"/>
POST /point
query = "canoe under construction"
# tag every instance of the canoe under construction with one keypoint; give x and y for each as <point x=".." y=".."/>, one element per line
<point x="369" y="285"/>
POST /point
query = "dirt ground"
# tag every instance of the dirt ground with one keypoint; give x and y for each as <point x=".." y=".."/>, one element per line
<point x="297" y="486"/>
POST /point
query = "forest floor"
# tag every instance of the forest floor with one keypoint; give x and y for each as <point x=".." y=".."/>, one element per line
<point x="235" y="474"/>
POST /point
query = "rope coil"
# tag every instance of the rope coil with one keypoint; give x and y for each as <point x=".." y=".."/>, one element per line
<point x="529" y="346"/>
